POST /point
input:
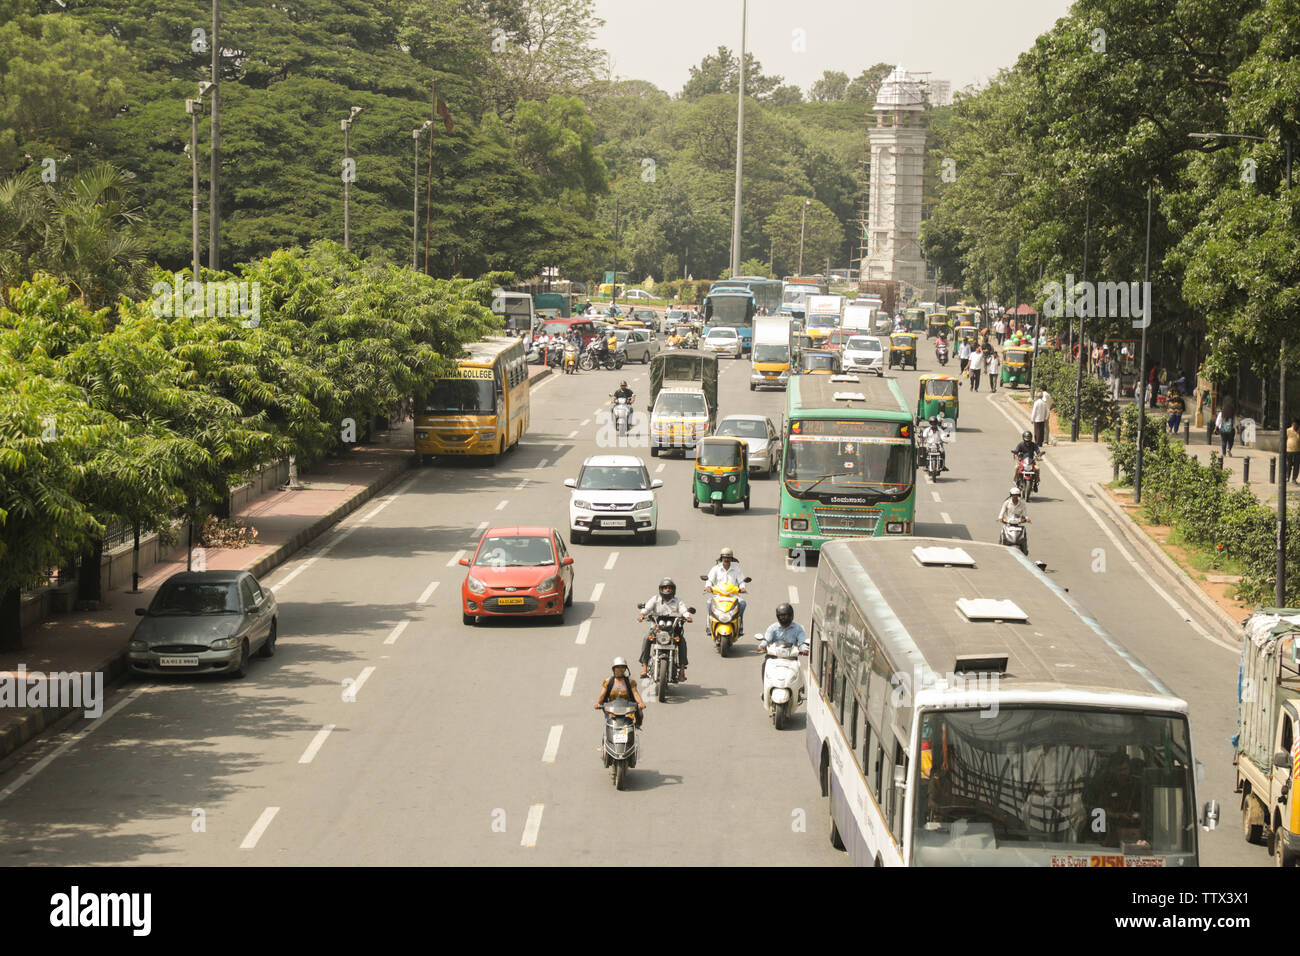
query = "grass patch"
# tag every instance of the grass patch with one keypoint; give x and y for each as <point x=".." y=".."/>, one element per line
<point x="1206" y="559"/>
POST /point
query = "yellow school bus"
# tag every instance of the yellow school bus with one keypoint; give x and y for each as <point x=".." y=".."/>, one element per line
<point x="482" y="410"/>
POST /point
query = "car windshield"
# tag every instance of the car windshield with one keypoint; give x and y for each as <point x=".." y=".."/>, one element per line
<point x="721" y="334"/>
<point x="514" y="552"/>
<point x="459" y="396"/>
<point x="771" y="353"/>
<point x="863" y="343"/>
<point x="614" y="478"/>
<point x="193" y="597"/>
<point x="743" y="428"/>
<point x="721" y="455"/>
<point x="818" y="362"/>
<point x="680" y="403"/>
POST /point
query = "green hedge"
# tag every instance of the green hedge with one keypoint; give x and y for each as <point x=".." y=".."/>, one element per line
<point x="1195" y="500"/>
<point x="1058" y="375"/>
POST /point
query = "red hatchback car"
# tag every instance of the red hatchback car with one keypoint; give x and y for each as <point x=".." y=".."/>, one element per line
<point x="517" y="572"/>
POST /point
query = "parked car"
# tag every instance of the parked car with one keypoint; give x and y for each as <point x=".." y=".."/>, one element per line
<point x="517" y="572"/>
<point x="613" y="494"/>
<point x="863" y="353"/>
<point x="204" y="622"/>
<point x="636" y="295"/>
<point x="640" y="344"/>
<point x="723" y="341"/>
<point x="763" y="452"/>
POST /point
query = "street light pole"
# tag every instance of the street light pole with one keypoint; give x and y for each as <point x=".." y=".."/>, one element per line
<point x="1078" y="377"/>
<point x="803" y="213"/>
<point x="415" y="195"/>
<point x="1142" y="358"/>
<point x="192" y="107"/>
<point x="740" y="144"/>
<point x="346" y="126"/>
<point x="214" y="153"/>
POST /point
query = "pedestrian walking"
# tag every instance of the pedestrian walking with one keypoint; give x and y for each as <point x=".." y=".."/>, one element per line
<point x="976" y="364"/>
<point x="1293" y="451"/>
<point x="1039" y="415"/>
<point x="994" y="369"/>
<point x="1175" y="406"/>
<point x="963" y="354"/>
<point x="1153" y="383"/>
<point x="1001" y="329"/>
<point x="1114" y="380"/>
<point x="1225" y="423"/>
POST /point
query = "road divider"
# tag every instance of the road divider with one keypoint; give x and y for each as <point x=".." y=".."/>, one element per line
<point x="947" y="518"/>
<point x="501" y="505"/>
<point x="353" y="687"/>
<point x="794" y="594"/>
<point x="455" y="559"/>
<point x="583" y="628"/>
<point x="597" y="591"/>
<point x="609" y="562"/>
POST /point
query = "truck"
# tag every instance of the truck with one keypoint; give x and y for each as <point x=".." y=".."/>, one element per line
<point x="770" y="359"/>
<point x="859" y="318"/>
<point x="824" y="313"/>
<point x="887" y="289"/>
<point x="554" y="305"/>
<point x="683" y="399"/>
<point x="1267" y="747"/>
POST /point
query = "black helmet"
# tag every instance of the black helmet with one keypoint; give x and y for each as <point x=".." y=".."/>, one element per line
<point x="667" y="589"/>
<point x="784" y="614"/>
<point x="1027" y="436"/>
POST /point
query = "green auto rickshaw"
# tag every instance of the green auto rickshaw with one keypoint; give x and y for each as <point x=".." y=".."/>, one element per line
<point x="721" y="474"/>
<point x="902" y="349"/>
<point x="914" y="321"/>
<point x="935" y="323"/>
<point x="819" y="362"/>
<point x="937" y="395"/>
<point x="1016" y="366"/>
<point x="967" y="333"/>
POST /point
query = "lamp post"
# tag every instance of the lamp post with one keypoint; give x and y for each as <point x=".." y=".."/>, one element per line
<point x="1142" y="358"/>
<point x="740" y="144"/>
<point x="346" y="126"/>
<point x="803" y="214"/>
<point x="214" y="152"/>
<point x="1279" y="595"/>
<point x="415" y="194"/>
<point x="1078" y="377"/>
<point x="194" y="107"/>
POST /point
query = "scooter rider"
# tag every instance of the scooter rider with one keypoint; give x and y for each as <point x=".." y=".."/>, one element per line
<point x="784" y="631"/>
<point x="933" y="430"/>
<point x="724" y="572"/>
<point x="620" y="686"/>
<point x="1029" y="447"/>
<point x="1014" y="507"/>
<point x="623" y="392"/>
<point x="664" y="603"/>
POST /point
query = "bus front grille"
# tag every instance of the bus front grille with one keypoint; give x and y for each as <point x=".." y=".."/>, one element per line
<point x="846" y="524"/>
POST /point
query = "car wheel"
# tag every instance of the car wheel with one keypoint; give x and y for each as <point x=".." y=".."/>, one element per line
<point x="645" y="357"/>
<point x="650" y="537"/>
<point x="568" y="597"/>
<point x="268" y="646"/>
<point x="654" y="451"/>
<point x="558" y="619"/>
<point x="241" y="669"/>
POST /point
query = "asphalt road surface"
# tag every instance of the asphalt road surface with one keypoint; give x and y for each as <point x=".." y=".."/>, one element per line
<point x="480" y="745"/>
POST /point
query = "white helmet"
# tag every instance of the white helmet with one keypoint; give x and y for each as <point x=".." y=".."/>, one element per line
<point x="1014" y="491"/>
<point x="618" y="662"/>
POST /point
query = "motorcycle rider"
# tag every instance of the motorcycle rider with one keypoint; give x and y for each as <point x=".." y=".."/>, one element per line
<point x="1027" y="446"/>
<point x="1014" y="507"/>
<point x="622" y="392"/>
<point x="724" y="573"/>
<point x="784" y="631"/>
<point x="665" y="603"/>
<point x="933" y="430"/>
<point x="620" y="686"/>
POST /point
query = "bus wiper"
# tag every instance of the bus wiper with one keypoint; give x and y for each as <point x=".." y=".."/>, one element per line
<point x="838" y="474"/>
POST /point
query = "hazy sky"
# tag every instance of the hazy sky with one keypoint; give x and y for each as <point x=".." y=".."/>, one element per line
<point x="964" y="41"/>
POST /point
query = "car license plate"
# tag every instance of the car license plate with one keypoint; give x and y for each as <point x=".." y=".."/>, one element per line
<point x="611" y="523"/>
<point x="513" y="600"/>
<point x="620" y="736"/>
<point x="178" y="662"/>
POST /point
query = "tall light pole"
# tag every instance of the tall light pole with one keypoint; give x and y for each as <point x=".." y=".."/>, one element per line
<point x="1078" y="377"/>
<point x="740" y="144"/>
<point x="1142" y="357"/>
<point x="346" y="126"/>
<point x="194" y="107"/>
<point x="1279" y="594"/>
<point x="802" y="216"/>
<point x="415" y="195"/>
<point x="214" y="154"/>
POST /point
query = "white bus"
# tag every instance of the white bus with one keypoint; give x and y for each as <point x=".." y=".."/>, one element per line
<point x="963" y="710"/>
<point x="517" y="311"/>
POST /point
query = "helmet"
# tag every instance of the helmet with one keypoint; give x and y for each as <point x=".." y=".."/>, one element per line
<point x="618" y="662"/>
<point x="934" y="420"/>
<point x="667" y="589"/>
<point x="1014" y="491"/>
<point x="623" y="384"/>
<point x="726" y="553"/>
<point x="784" y="614"/>
<point x="1027" y="436"/>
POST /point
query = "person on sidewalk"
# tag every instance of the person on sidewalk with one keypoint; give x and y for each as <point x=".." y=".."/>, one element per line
<point x="994" y="368"/>
<point x="1176" y="407"/>
<point x="1226" y="425"/>
<point x="1153" y="383"/>
<point x="1039" y="415"/>
<point x="976" y="364"/>
<point x="1293" y="451"/>
<point x="963" y="354"/>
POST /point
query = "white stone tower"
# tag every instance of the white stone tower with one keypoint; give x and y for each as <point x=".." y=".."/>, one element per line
<point x="893" y="240"/>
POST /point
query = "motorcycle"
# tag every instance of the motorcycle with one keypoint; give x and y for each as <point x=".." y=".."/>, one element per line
<point x="1013" y="534"/>
<point x="621" y="412"/>
<point x="1027" y="475"/>
<point x="570" y="359"/>
<point x="620" y="741"/>
<point x="607" y="360"/>
<point x="665" y="637"/>
<point x="941" y="353"/>
<point x="724" y="607"/>
<point x="934" y="458"/>
<point x="783" y="683"/>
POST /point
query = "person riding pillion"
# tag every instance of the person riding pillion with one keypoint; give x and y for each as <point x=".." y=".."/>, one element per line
<point x="932" y="429"/>
<point x="665" y="603"/>
<point x="726" y="572"/>
<point x="784" y="631"/>
<point x="620" y="686"/>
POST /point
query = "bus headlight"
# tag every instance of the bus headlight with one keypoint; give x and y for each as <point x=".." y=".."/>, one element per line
<point x="487" y="434"/>
<point x="422" y="436"/>
<point x="798" y="524"/>
<point x="896" y="527"/>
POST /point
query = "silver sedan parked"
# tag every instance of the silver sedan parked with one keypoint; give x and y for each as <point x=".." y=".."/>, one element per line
<point x="763" y="451"/>
<point x="204" y="622"/>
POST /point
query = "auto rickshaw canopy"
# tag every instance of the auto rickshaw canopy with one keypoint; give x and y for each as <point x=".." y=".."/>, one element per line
<point x="902" y="340"/>
<point x="818" y="360"/>
<point x="1015" y="356"/>
<point x="937" y="386"/>
<point x="720" y="453"/>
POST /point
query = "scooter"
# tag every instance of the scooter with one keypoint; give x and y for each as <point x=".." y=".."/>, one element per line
<point x="724" y="607"/>
<point x="665" y="637"/>
<point x="1013" y="534"/>
<point x="570" y="359"/>
<point x="1026" y="476"/>
<point x="941" y="353"/>
<point x="621" y="411"/>
<point x="620" y="741"/>
<point x="783" y="683"/>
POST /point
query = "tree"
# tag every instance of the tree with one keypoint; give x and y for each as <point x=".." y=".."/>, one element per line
<point x="831" y="86"/>
<point x="866" y="85"/>
<point x="720" y="73"/>
<point x="823" y="234"/>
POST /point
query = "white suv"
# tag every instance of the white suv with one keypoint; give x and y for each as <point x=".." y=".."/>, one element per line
<point x="613" y="494"/>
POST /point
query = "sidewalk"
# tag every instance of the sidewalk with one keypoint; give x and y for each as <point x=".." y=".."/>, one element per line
<point x="95" y="641"/>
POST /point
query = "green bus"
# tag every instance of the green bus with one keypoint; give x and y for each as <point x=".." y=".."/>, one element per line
<point x="848" y="469"/>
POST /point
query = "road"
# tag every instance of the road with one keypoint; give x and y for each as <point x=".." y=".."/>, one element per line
<point x="480" y="745"/>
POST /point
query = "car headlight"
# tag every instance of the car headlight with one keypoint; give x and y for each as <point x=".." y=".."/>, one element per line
<point x="224" y="644"/>
<point x="583" y="505"/>
<point x="642" y="505"/>
<point x="475" y="585"/>
<point x="547" y="585"/>
<point x="138" y="646"/>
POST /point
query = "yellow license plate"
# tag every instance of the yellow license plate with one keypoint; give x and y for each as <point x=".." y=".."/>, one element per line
<point x="514" y="600"/>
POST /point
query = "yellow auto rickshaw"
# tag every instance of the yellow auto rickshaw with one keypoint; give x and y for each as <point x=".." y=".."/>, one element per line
<point x="937" y="395"/>
<point x="902" y="349"/>
<point x="818" y="362"/>
<point x="935" y="323"/>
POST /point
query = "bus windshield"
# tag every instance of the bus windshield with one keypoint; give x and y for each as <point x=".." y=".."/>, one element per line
<point x="459" y="396"/>
<point x="829" y="462"/>
<point x="770" y="353"/>
<point x="732" y="310"/>
<point x="1052" y="785"/>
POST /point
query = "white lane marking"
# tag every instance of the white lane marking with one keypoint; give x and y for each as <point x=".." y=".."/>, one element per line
<point x="660" y="468"/>
<point x="317" y="742"/>
<point x="552" y="744"/>
<point x="541" y="464"/>
<point x="573" y="434"/>
<point x="359" y="682"/>
<point x="583" y="628"/>
<point x="455" y="559"/>
<point x="794" y="594"/>
<point x="570" y="676"/>
<point x="522" y="483"/>
<point x="396" y="632"/>
<point x="1142" y="572"/>
<point x="532" y="825"/>
<point x="585" y="421"/>
<point x="259" y="828"/>
<point x="609" y="562"/>
<point x="502" y="505"/>
<point x="386" y="501"/>
<point x="928" y="479"/>
<point x="48" y="759"/>
<point x="428" y="592"/>
<point x="544" y="382"/>
<point x="947" y="518"/>
<point x="596" y="592"/>
<point x="557" y="449"/>
<point x="482" y="526"/>
<point x="935" y="495"/>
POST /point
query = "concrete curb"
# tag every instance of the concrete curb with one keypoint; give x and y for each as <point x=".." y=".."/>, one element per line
<point x="114" y="667"/>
